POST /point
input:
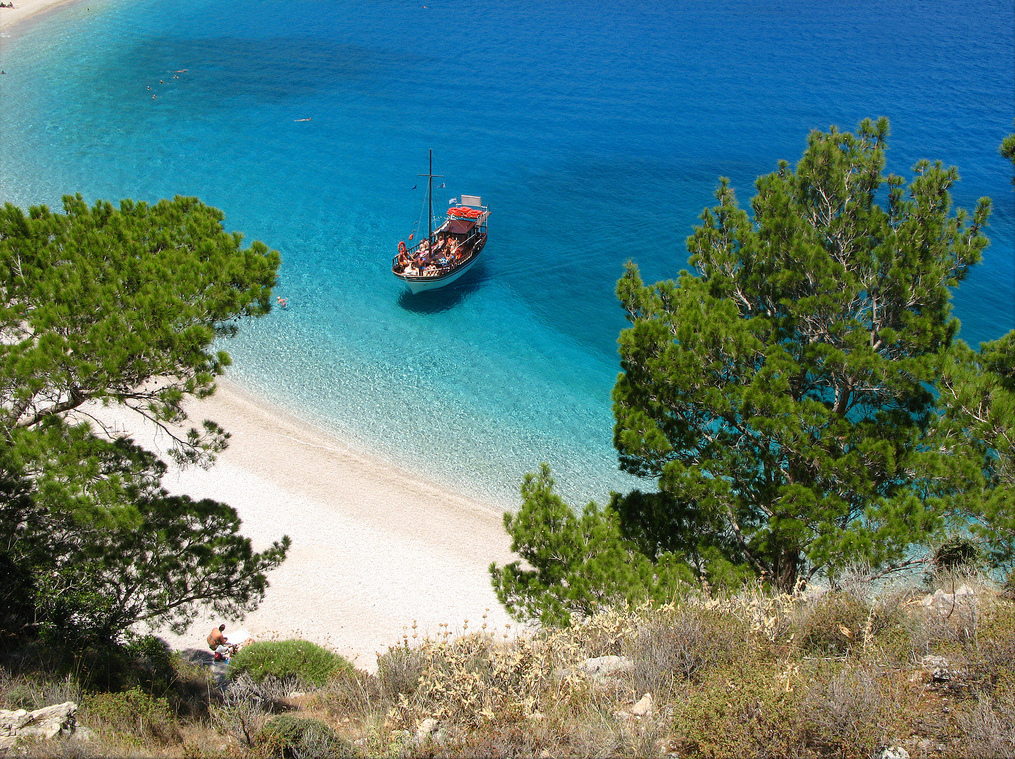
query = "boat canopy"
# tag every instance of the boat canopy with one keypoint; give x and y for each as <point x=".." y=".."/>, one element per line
<point x="461" y="226"/>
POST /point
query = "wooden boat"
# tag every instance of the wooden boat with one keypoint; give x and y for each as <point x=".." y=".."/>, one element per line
<point x="448" y="251"/>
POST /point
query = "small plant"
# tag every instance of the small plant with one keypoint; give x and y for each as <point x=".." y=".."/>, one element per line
<point x="36" y="690"/>
<point x="835" y="624"/>
<point x="132" y="714"/>
<point x="989" y="727"/>
<point x="352" y="693"/>
<point x="848" y="711"/>
<point x="243" y="711"/>
<point x="289" y="737"/>
<point x="296" y="661"/>
<point x="680" y="643"/>
<point x="399" y="670"/>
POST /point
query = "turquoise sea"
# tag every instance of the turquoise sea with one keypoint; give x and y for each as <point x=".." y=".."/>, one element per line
<point x="596" y="132"/>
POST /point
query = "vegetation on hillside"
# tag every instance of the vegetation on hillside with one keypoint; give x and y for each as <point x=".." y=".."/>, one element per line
<point x="846" y="674"/>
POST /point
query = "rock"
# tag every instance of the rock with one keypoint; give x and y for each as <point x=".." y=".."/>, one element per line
<point x="964" y="598"/>
<point x="644" y="707"/>
<point x="46" y="723"/>
<point x="83" y="734"/>
<point x="939" y="668"/>
<point x="892" y="752"/>
<point x="940" y="675"/>
<point x="603" y="666"/>
<point x="426" y="731"/>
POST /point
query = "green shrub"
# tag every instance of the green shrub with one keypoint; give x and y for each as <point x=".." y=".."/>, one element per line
<point x="144" y="662"/>
<point x="132" y="714"/>
<point x="746" y="710"/>
<point x="287" y="660"/>
<point x="289" y="737"/>
<point x="836" y="623"/>
<point x="995" y="644"/>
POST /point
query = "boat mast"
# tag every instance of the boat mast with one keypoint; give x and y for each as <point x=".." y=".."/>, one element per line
<point x="429" y="197"/>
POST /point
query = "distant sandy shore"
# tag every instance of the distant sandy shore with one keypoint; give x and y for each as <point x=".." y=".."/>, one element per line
<point x="25" y="9"/>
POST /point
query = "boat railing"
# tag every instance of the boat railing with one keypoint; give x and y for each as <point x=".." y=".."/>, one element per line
<point x="477" y="231"/>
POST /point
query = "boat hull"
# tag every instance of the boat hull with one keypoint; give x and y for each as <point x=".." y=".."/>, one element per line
<point x="421" y="284"/>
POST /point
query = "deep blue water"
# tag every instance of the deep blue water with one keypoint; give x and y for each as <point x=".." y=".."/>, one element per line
<point x="595" y="132"/>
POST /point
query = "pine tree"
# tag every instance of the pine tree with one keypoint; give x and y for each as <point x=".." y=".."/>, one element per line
<point x="123" y="306"/>
<point x="574" y="565"/>
<point x="780" y="395"/>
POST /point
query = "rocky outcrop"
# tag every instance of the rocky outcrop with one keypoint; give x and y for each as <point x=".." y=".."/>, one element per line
<point x="606" y="666"/>
<point x="54" y="721"/>
<point x="963" y="599"/>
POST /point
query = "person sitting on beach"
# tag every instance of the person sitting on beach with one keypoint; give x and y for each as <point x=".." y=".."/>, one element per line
<point x="217" y="638"/>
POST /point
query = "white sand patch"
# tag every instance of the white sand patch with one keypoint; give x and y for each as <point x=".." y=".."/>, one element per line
<point x="375" y="548"/>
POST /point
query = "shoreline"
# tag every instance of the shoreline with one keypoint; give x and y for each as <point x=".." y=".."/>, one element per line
<point x="24" y="10"/>
<point x="376" y="549"/>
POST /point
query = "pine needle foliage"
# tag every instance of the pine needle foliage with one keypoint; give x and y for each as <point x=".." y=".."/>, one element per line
<point x="123" y="306"/>
<point x="782" y="394"/>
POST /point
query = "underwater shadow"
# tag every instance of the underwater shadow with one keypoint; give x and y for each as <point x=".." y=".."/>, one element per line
<point x="446" y="298"/>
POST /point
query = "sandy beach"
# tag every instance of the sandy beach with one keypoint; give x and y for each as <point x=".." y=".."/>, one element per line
<point x="25" y="9"/>
<point x="375" y="548"/>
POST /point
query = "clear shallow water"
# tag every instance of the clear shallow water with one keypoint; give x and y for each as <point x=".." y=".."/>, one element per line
<point x="595" y="132"/>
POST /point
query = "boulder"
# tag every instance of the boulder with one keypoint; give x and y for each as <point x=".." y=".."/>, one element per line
<point x="603" y="666"/>
<point x="945" y="603"/>
<point x="54" y="721"/>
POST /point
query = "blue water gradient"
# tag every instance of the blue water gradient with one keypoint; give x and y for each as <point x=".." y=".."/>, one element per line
<point x="595" y="132"/>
